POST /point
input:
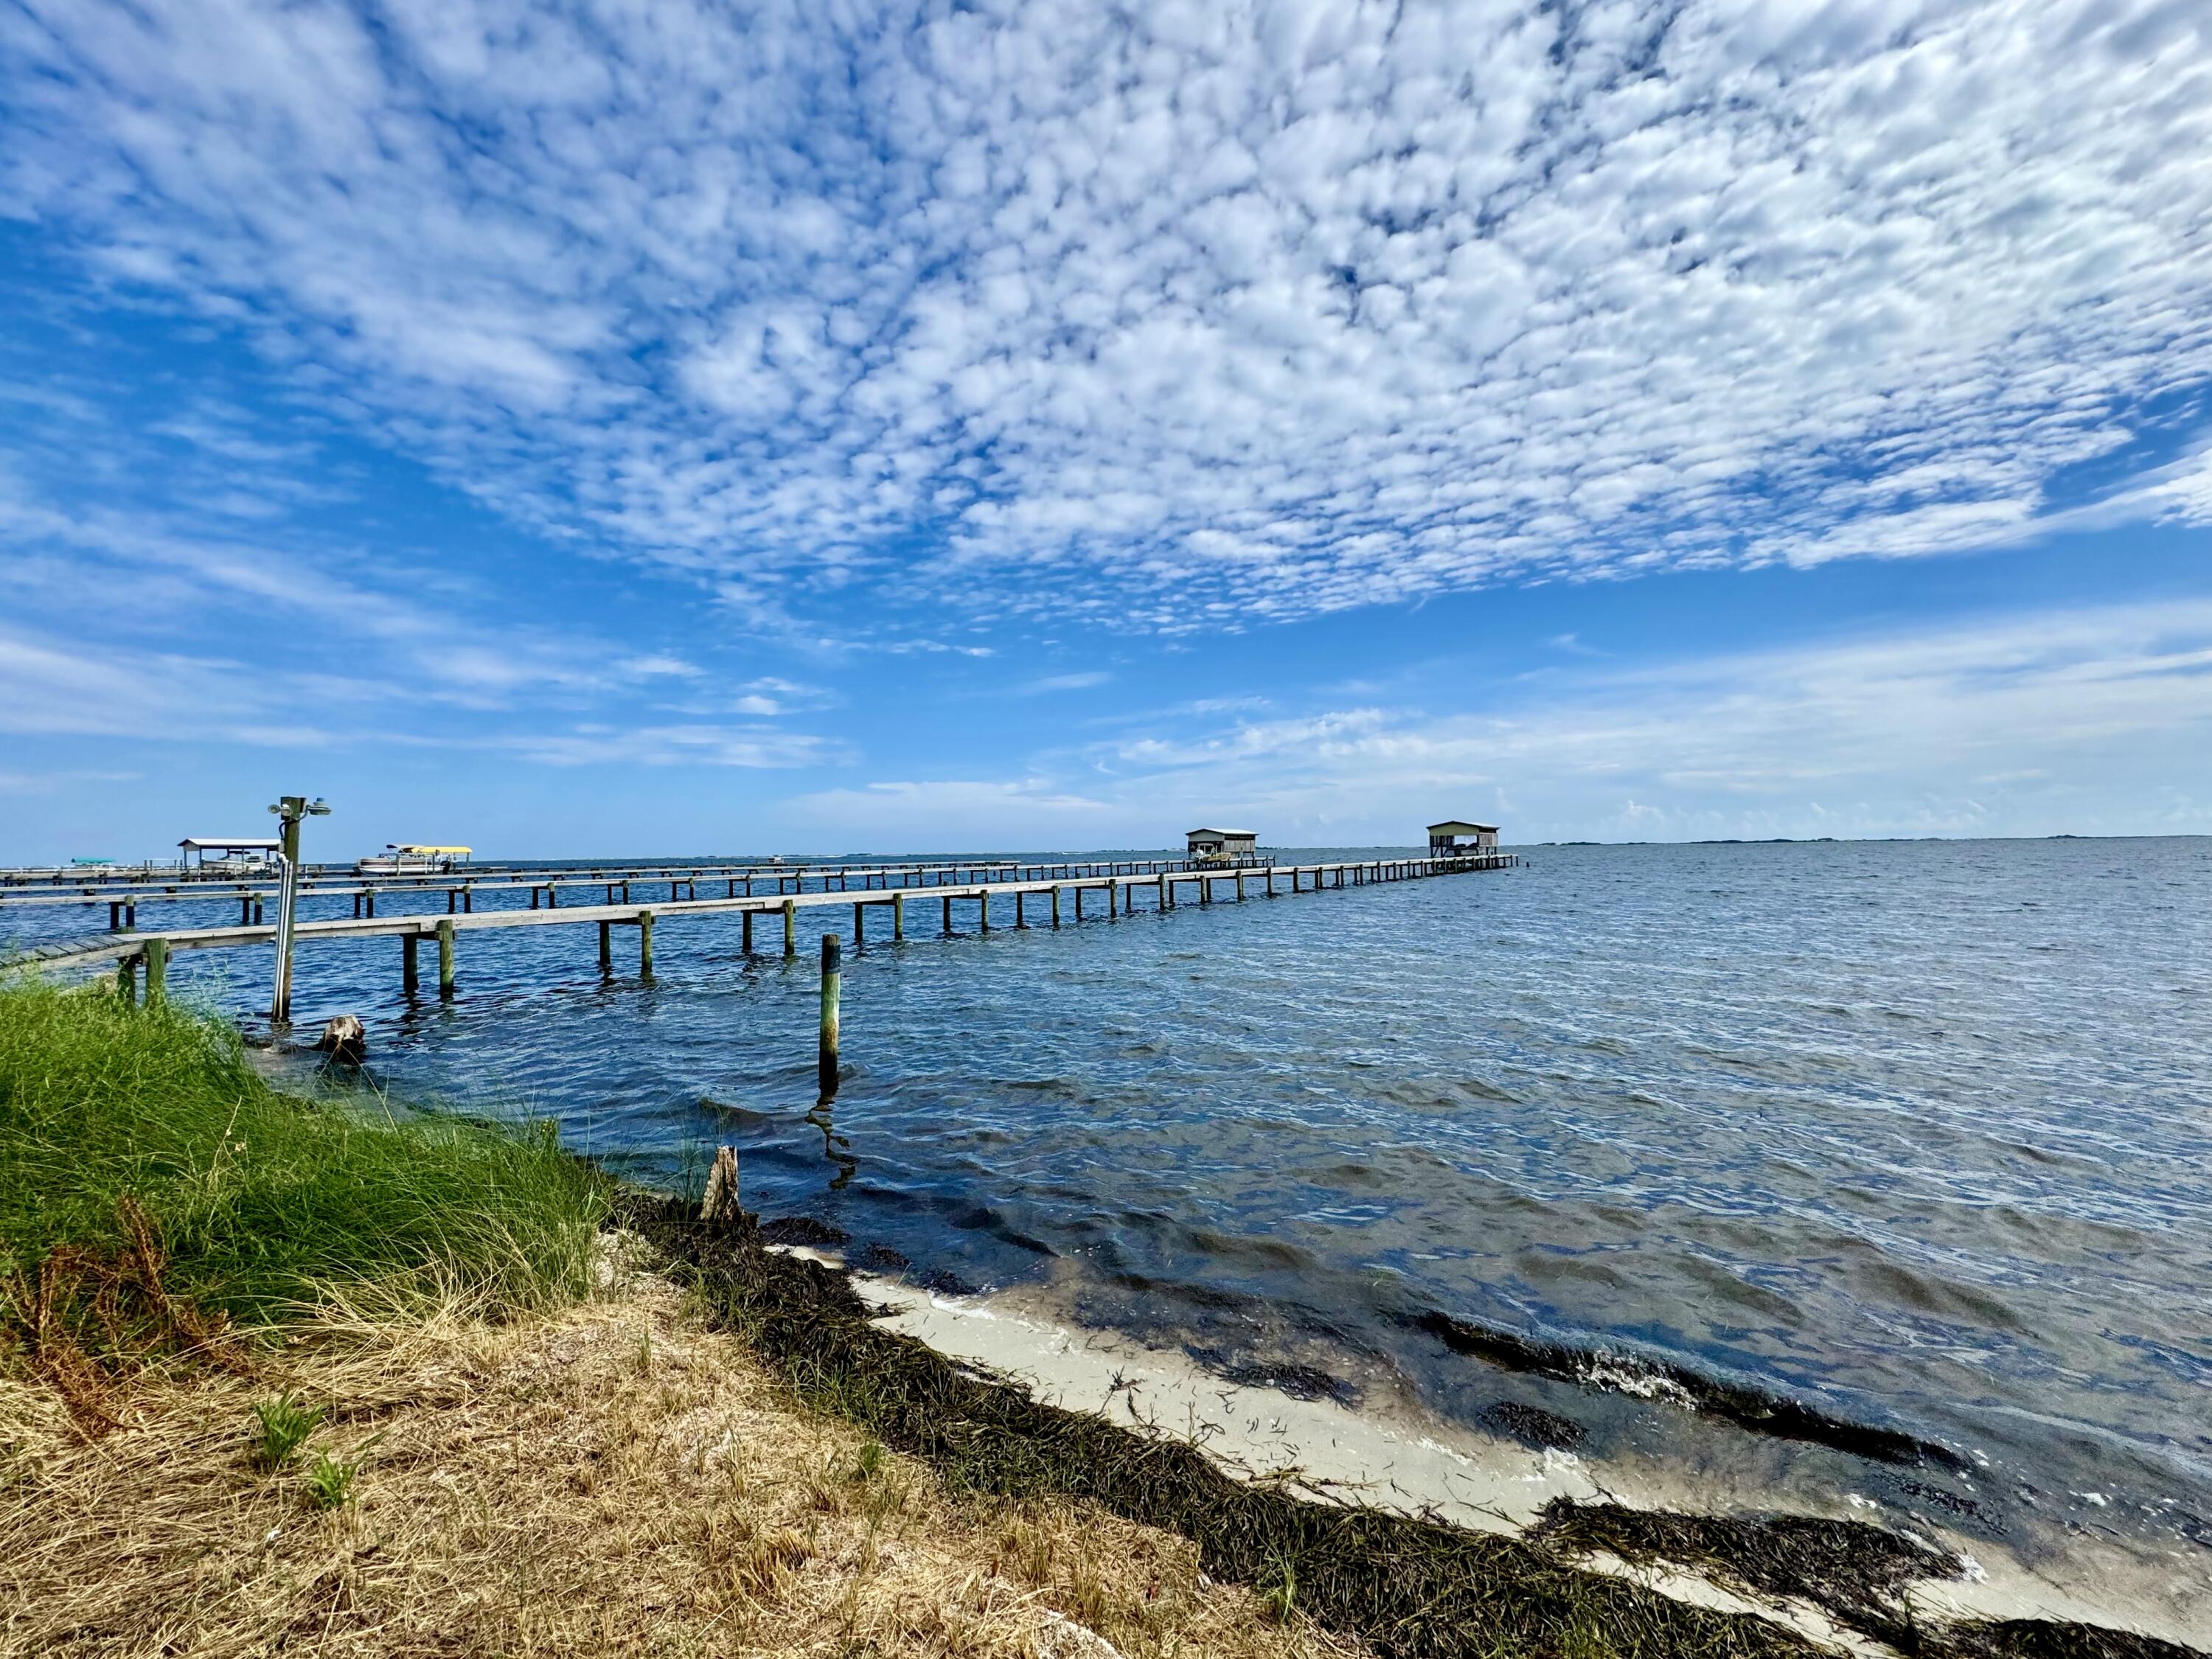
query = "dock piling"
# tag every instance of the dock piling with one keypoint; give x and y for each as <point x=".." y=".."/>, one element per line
<point x="606" y="947"/>
<point x="898" y="921"/>
<point x="747" y="945"/>
<point x="157" y="970"/>
<point x="1055" y="905"/>
<point x="126" y="981"/>
<point x="790" y="926"/>
<point x="645" y="945"/>
<point x="832" y="986"/>
<point x="410" y="977"/>
<point x="445" y="957"/>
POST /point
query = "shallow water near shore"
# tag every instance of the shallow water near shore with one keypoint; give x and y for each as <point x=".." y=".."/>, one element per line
<point x="1916" y="1133"/>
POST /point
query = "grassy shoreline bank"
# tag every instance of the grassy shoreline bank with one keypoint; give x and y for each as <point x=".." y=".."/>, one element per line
<point x="175" y="1230"/>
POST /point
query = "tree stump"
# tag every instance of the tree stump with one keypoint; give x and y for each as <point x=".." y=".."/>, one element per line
<point x="720" y="1203"/>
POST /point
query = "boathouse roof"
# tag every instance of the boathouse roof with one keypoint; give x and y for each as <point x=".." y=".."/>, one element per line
<point x="1461" y="827"/>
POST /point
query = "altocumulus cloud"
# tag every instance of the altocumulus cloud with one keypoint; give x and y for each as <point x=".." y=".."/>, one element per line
<point x="1342" y="302"/>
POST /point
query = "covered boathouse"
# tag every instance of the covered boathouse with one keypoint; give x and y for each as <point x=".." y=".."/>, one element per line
<point x="1223" y="843"/>
<point x="1457" y="838"/>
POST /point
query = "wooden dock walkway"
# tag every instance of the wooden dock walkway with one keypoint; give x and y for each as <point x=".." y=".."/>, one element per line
<point x="1054" y="900"/>
<point x="546" y="886"/>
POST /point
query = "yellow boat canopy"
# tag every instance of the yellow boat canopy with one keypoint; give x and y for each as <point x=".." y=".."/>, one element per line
<point x="417" y="847"/>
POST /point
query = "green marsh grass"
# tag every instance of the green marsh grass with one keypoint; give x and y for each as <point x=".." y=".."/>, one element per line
<point x="280" y="1427"/>
<point x="264" y="1204"/>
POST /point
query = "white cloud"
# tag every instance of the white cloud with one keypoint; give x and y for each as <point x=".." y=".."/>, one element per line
<point x="2021" y="725"/>
<point x="1085" y="681"/>
<point x="1332" y="305"/>
<point x="756" y="746"/>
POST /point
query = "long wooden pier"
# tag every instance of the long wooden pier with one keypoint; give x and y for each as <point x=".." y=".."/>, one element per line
<point x="1053" y="900"/>
<point x="460" y="888"/>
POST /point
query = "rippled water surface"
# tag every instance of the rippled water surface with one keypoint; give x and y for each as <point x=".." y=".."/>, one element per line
<point x="1918" y="1131"/>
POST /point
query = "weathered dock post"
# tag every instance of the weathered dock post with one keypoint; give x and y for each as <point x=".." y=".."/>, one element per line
<point x="645" y="945"/>
<point x="1164" y="889"/>
<point x="898" y="921"/>
<point x="860" y="938"/>
<point x="748" y="918"/>
<point x="983" y="909"/>
<point x="948" y="918"/>
<point x="1055" y="904"/>
<point x="832" y="987"/>
<point x="126" y="981"/>
<point x="606" y="947"/>
<point x="445" y="956"/>
<point x="411" y="977"/>
<point x="290" y="812"/>
<point x="790" y="925"/>
<point x="157" y="970"/>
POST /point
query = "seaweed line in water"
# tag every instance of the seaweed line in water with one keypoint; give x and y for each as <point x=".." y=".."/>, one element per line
<point x="1748" y="1408"/>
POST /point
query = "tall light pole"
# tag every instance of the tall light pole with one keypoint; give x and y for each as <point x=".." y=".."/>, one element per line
<point x="289" y="810"/>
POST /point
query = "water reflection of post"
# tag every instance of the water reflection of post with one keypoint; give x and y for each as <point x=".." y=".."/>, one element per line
<point x="833" y="1145"/>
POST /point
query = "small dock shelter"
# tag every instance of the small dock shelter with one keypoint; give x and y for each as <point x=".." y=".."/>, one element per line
<point x="227" y="852"/>
<point x="1223" y="843"/>
<point x="1457" y="838"/>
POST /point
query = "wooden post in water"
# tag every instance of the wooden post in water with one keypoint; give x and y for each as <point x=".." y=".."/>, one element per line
<point x="898" y="921"/>
<point x="645" y="945"/>
<point x="411" y="977"/>
<point x="445" y="957"/>
<point x="606" y="947"/>
<point x="157" y="968"/>
<point x="1055" y="904"/>
<point x="1021" y="917"/>
<point x="1164" y="889"/>
<point x="790" y="925"/>
<point x="983" y="909"/>
<point x="749" y="933"/>
<point x="832" y="986"/>
<point x="948" y="918"/>
<point x="860" y="938"/>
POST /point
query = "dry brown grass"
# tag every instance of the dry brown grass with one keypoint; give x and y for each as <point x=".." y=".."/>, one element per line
<point x="614" y="1479"/>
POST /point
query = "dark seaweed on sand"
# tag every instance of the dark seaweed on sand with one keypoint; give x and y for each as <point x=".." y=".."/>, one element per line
<point x="1409" y="1586"/>
<point x="1857" y="1572"/>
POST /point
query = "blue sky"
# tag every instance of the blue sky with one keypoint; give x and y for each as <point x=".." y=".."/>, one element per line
<point x="602" y="429"/>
